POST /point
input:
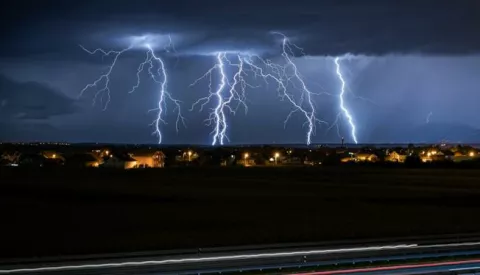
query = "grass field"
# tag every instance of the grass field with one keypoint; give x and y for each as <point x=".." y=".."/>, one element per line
<point x="58" y="212"/>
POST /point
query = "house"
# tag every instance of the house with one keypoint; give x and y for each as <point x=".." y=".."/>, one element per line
<point x="83" y="160"/>
<point x="347" y="159"/>
<point x="120" y="161"/>
<point x="11" y="157"/>
<point x="293" y="161"/>
<point x="149" y="159"/>
<point x="246" y="162"/>
<point x="442" y="156"/>
<point x="52" y="155"/>
<point x="32" y="160"/>
<point x="366" y="157"/>
<point x="394" y="156"/>
<point x="448" y="155"/>
<point x="186" y="156"/>
<point x="5" y="162"/>
<point x="459" y="156"/>
<point x="101" y="153"/>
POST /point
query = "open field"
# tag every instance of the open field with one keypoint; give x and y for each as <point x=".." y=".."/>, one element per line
<point x="56" y="212"/>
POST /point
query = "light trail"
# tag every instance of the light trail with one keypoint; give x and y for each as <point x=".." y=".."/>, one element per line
<point x="160" y="76"/>
<point x="391" y="268"/>
<point x="207" y="259"/>
<point x="344" y="109"/>
<point x="252" y="256"/>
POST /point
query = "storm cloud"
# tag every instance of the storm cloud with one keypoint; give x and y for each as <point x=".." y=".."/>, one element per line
<point x="407" y="59"/>
<point x="320" y="27"/>
<point x="32" y="100"/>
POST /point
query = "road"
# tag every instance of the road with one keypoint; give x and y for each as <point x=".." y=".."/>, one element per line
<point x="408" y="256"/>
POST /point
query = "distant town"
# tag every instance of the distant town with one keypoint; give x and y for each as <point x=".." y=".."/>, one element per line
<point x="144" y="156"/>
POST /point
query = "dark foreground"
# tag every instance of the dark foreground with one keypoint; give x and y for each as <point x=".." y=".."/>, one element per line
<point x="409" y="256"/>
<point x="58" y="212"/>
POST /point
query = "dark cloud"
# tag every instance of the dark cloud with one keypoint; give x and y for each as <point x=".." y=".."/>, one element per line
<point x="32" y="100"/>
<point x="321" y="27"/>
<point x="28" y="131"/>
<point x="437" y="69"/>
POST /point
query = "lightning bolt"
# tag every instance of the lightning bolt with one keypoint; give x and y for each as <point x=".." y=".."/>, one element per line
<point x="102" y="83"/>
<point x="159" y="76"/>
<point x="223" y="99"/>
<point x="285" y="76"/>
<point x="428" y="117"/>
<point x="344" y="109"/>
<point x="309" y="113"/>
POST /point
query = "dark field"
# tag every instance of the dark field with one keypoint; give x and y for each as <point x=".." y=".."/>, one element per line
<point x="57" y="212"/>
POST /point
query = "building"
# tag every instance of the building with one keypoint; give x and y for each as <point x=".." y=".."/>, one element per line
<point x="120" y="161"/>
<point x="11" y="157"/>
<point x="470" y="155"/>
<point x="83" y="160"/>
<point x="448" y="155"/>
<point x="366" y="157"/>
<point x="186" y="156"/>
<point x="32" y="160"/>
<point x="150" y="159"/>
<point x="53" y="155"/>
<point x="347" y="159"/>
<point x="246" y="162"/>
<point x="394" y="156"/>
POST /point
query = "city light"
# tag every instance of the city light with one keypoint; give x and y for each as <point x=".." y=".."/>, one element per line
<point x="276" y="157"/>
<point x="471" y="154"/>
<point x="245" y="157"/>
<point x="189" y="156"/>
<point x="54" y="156"/>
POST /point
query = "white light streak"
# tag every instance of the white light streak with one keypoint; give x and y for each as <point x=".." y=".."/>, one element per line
<point x="160" y="76"/>
<point x="344" y="109"/>
<point x="232" y="257"/>
<point x="208" y="259"/>
<point x="284" y="75"/>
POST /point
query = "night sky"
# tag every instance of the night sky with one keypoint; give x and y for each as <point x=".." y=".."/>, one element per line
<point x="412" y="72"/>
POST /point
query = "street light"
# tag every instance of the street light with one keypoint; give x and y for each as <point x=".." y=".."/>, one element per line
<point x="54" y="156"/>
<point x="189" y="155"/>
<point x="276" y="157"/>
<point x="471" y="154"/>
<point x="245" y="157"/>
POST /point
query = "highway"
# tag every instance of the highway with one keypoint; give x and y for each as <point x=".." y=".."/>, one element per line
<point x="408" y="256"/>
